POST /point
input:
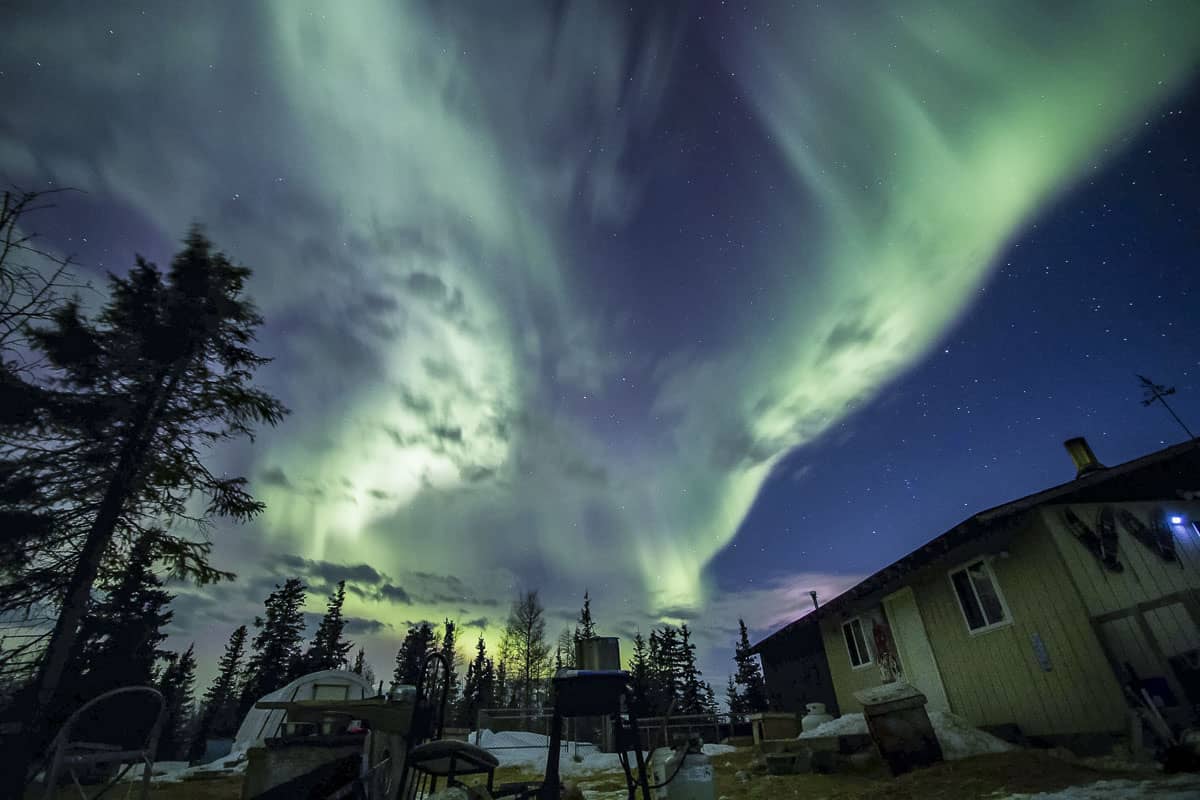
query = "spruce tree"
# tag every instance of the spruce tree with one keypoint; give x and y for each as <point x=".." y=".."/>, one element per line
<point x="120" y="638"/>
<point x="639" y="668"/>
<point x="502" y="691"/>
<point x="450" y="650"/>
<point x="219" y="717"/>
<point x="733" y="699"/>
<point x="476" y="689"/>
<point x="362" y="668"/>
<point x="587" y="628"/>
<point x="696" y="693"/>
<point x="127" y="404"/>
<point x="328" y="650"/>
<point x="752" y="689"/>
<point x="276" y="646"/>
<point x="176" y="683"/>
<point x="410" y="659"/>
<point x="666" y="669"/>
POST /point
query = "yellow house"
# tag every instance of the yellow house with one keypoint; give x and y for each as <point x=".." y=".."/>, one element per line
<point x="1042" y="613"/>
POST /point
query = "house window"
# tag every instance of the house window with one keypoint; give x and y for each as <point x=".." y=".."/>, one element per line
<point x="856" y="643"/>
<point x="979" y="596"/>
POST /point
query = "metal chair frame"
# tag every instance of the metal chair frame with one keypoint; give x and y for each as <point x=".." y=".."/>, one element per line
<point x="61" y="756"/>
<point x="428" y="727"/>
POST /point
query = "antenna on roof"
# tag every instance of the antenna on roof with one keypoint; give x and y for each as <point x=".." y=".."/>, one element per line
<point x="1157" y="393"/>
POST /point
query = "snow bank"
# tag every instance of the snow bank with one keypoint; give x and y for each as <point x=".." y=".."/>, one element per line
<point x="845" y="725"/>
<point x="957" y="737"/>
<point x="177" y="771"/>
<point x="1180" y="787"/>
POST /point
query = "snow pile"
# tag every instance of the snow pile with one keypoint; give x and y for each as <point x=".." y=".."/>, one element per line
<point x="1180" y="787"/>
<point x="177" y="771"/>
<point x="845" y="725"/>
<point x="957" y="737"/>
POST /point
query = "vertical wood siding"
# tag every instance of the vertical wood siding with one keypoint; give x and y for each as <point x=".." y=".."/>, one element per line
<point x="1146" y="577"/>
<point x="995" y="677"/>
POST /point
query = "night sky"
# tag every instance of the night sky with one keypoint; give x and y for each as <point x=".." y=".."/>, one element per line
<point x="697" y="306"/>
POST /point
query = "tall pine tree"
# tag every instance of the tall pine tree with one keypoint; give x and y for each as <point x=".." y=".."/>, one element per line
<point x="478" y="687"/>
<point x="121" y="637"/>
<point x="328" y="650"/>
<point x="450" y="649"/>
<point x="176" y="682"/>
<point x="697" y="695"/>
<point x="587" y="628"/>
<point x="219" y="715"/>
<point x="751" y="688"/>
<point x="639" y="668"/>
<point x="276" y="646"/>
<point x="129" y="402"/>
<point x="733" y="699"/>
<point x="410" y="659"/>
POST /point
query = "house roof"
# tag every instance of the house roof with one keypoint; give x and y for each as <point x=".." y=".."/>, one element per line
<point x="1144" y="478"/>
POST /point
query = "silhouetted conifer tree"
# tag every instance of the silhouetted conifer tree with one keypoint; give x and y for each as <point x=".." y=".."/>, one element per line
<point x="410" y="659"/>
<point x="128" y="404"/>
<point x="176" y="682"/>
<point x="752" y="689"/>
<point x="328" y="650"/>
<point x="219" y="713"/>
<point x="275" y="656"/>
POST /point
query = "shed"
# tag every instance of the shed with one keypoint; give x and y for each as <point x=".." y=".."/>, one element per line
<point x="330" y="684"/>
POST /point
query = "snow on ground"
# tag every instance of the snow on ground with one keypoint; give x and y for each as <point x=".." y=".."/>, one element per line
<point x="523" y="749"/>
<point x="177" y="771"/>
<point x="1180" y="787"/>
<point x="959" y="739"/>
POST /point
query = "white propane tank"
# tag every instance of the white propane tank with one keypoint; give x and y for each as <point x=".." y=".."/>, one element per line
<point x="815" y="718"/>
<point x="693" y="781"/>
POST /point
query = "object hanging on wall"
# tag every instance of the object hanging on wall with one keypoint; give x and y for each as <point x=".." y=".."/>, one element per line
<point x="1103" y="545"/>
<point x="1040" y="652"/>
<point x="885" y="653"/>
<point x="1157" y="537"/>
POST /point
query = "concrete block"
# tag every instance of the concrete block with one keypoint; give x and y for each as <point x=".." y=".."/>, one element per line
<point x="818" y="743"/>
<point x="767" y="746"/>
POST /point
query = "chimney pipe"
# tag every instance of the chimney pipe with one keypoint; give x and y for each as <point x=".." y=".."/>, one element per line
<point x="813" y="595"/>
<point x="1081" y="453"/>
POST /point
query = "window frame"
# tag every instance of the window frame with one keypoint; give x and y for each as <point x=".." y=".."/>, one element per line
<point x="986" y="560"/>
<point x="870" y="662"/>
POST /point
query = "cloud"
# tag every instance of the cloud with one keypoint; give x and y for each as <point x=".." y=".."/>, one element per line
<point x="329" y="573"/>
<point x="394" y="594"/>
<point x="425" y="286"/>
<point x="356" y="626"/>
<point x="275" y="476"/>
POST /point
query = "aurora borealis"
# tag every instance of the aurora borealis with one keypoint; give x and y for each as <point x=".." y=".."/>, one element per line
<point x="569" y="295"/>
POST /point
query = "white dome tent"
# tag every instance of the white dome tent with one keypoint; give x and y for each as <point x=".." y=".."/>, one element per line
<point x="329" y="684"/>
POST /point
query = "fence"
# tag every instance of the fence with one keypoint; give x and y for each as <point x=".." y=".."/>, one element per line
<point x="587" y="734"/>
<point x="579" y="735"/>
<point x="712" y="728"/>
